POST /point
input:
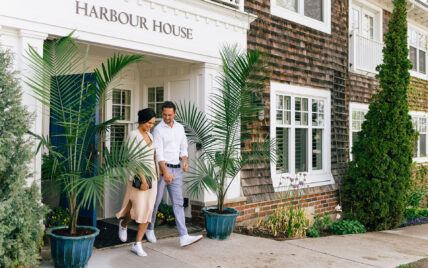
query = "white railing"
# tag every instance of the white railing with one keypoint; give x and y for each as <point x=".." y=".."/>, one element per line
<point x="365" y="53"/>
<point x="233" y="3"/>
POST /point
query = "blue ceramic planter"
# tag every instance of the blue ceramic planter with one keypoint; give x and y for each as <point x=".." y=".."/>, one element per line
<point x="219" y="226"/>
<point x="72" y="251"/>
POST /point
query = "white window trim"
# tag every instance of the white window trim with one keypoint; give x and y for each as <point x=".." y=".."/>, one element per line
<point x="366" y="7"/>
<point x="416" y="73"/>
<point x="365" y="108"/>
<point x="420" y="159"/>
<point x="353" y="106"/>
<point x="315" y="178"/>
<point x="146" y="94"/>
<point x="109" y="111"/>
<point x="378" y="34"/>
<point x="323" y="26"/>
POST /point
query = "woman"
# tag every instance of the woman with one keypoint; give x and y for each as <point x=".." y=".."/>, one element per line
<point x="138" y="203"/>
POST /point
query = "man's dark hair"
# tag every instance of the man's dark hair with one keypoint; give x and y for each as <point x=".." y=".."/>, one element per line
<point x="168" y="104"/>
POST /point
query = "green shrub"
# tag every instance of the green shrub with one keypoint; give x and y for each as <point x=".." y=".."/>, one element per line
<point x="321" y="223"/>
<point x="413" y="213"/>
<point x="415" y="197"/>
<point x="287" y="222"/>
<point x="21" y="211"/>
<point x="342" y="227"/>
<point x="375" y="188"/>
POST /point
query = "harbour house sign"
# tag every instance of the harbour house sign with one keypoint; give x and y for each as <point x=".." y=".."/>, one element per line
<point x="112" y="15"/>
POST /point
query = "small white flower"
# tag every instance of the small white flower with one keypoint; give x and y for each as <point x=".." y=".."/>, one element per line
<point x="338" y="208"/>
<point x="338" y="216"/>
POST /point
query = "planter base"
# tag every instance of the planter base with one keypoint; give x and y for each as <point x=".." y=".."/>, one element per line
<point x="72" y="251"/>
<point x="219" y="226"/>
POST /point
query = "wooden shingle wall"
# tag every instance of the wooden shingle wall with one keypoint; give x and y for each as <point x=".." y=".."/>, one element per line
<point x="302" y="56"/>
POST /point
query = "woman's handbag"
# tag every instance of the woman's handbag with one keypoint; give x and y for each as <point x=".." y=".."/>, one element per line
<point x="136" y="182"/>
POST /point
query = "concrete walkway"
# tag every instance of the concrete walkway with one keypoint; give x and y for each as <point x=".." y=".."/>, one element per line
<point x="379" y="249"/>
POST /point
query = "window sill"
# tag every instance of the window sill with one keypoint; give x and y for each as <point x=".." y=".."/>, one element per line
<point x="418" y="75"/>
<point x="312" y="180"/>
<point x="420" y="160"/>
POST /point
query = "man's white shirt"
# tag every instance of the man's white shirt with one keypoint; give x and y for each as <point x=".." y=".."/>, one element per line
<point x="170" y="142"/>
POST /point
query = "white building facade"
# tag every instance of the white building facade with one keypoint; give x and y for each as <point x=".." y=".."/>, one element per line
<point x="180" y="40"/>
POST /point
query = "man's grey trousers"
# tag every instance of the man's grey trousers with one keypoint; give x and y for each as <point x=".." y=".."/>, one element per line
<point x="175" y="190"/>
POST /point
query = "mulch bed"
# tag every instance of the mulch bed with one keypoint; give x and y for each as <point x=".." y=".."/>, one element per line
<point x="254" y="231"/>
<point x="109" y="235"/>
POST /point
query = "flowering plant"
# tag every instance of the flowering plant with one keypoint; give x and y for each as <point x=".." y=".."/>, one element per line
<point x="289" y="219"/>
<point x="170" y="220"/>
<point x="57" y="217"/>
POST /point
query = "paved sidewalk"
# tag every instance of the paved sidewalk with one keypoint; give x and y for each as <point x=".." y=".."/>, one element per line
<point x="379" y="249"/>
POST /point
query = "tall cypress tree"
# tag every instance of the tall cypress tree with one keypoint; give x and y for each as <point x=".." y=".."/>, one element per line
<point x="21" y="210"/>
<point x="375" y="187"/>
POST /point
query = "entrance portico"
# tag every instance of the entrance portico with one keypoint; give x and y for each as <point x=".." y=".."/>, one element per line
<point x="181" y="41"/>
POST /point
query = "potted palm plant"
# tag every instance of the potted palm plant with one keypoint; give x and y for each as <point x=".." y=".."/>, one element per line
<point x="222" y="133"/>
<point x="60" y="82"/>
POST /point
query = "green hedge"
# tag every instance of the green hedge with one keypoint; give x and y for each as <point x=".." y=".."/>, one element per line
<point x="375" y="189"/>
<point x="21" y="211"/>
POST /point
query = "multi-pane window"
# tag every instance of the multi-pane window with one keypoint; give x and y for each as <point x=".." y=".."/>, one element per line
<point x="420" y="125"/>
<point x="156" y="100"/>
<point x="314" y="9"/>
<point x="365" y="22"/>
<point x="288" y="4"/>
<point x="357" y="119"/>
<point x="311" y="13"/>
<point x="117" y="134"/>
<point x="420" y="122"/>
<point x="121" y="107"/>
<point x="417" y="50"/>
<point x="121" y="104"/>
<point x="309" y="8"/>
<point x="300" y="129"/>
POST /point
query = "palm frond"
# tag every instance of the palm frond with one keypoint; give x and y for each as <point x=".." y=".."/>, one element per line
<point x="201" y="176"/>
<point x="108" y="77"/>
<point x="126" y="159"/>
<point x="197" y="126"/>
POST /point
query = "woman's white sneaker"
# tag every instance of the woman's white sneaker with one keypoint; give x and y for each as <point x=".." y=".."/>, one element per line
<point x="150" y="235"/>
<point x="186" y="240"/>
<point x="137" y="248"/>
<point x="123" y="232"/>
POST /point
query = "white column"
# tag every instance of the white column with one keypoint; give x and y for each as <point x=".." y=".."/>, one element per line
<point x="206" y="84"/>
<point x="18" y="41"/>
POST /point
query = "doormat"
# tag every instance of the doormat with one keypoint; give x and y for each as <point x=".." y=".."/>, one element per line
<point x="109" y="235"/>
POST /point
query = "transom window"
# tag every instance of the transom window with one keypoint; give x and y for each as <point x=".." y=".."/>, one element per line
<point x="155" y="100"/>
<point x="311" y="13"/>
<point x="417" y="50"/>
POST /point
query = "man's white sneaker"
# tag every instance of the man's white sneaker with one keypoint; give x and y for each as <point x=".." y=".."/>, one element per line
<point x="186" y="240"/>
<point x="137" y="248"/>
<point x="150" y="235"/>
<point x="123" y="232"/>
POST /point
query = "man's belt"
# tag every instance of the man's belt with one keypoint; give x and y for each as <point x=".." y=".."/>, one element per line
<point x="173" y="166"/>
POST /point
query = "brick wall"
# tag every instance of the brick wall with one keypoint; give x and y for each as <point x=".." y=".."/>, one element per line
<point x="316" y="200"/>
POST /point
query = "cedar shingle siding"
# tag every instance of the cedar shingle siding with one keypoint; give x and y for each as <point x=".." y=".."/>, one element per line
<point x="302" y="56"/>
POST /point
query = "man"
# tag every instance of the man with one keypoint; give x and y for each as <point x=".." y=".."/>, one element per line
<point x="171" y="145"/>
